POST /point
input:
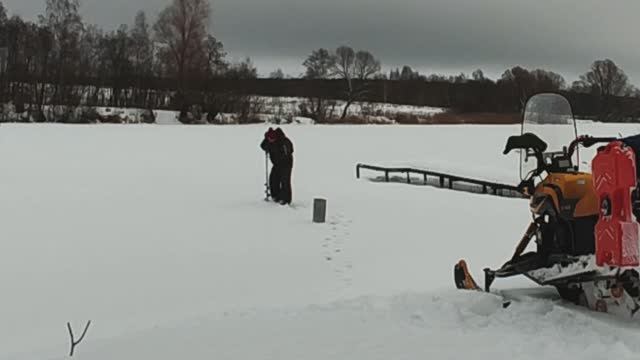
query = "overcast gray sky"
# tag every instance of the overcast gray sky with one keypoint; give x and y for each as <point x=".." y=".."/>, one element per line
<point x="445" y="36"/>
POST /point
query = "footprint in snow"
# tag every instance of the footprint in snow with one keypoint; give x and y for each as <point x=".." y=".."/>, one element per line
<point x="334" y="248"/>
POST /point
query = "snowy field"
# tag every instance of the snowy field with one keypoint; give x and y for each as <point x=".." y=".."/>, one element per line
<point x="160" y="236"/>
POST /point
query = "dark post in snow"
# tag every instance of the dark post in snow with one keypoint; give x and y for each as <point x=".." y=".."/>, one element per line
<point x="319" y="210"/>
<point x="75" y="342"/>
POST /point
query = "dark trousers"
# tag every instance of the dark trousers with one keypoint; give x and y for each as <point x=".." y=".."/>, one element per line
<point x="274" y="183"/>
<point x="280" y="183"/>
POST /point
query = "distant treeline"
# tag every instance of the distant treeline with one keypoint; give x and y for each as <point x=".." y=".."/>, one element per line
<point x="176" y="63"/>
<point x="469" y="96"/>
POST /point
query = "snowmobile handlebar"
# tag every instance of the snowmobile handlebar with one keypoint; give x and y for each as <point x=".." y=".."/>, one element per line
<point x="528" y="142"/>
<point x="525" y="142"/>
<point x="588" y="141"/>
<point x="536" y="147"/>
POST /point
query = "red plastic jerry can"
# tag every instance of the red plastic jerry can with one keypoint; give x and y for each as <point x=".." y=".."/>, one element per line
<point x="614" y="179"/>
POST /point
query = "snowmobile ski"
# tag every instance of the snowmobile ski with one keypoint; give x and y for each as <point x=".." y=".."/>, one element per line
<point x="463" y="278"/>
<point x="464" y="281"/>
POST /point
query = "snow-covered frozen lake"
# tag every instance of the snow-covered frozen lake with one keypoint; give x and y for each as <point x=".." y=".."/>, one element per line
<point x="160" y="236"/>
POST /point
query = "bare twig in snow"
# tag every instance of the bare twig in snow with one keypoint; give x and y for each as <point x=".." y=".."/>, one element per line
<point x="75" y="342"/>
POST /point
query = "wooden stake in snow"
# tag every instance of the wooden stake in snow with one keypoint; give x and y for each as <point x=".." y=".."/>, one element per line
<point x="319" y="210"/>
<point x="75" y="342"/>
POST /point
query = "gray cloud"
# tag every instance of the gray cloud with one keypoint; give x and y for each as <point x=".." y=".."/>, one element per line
<point x="432" y="35"/>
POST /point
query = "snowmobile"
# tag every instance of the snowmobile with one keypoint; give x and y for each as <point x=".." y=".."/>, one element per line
<point x="584" y="228"/>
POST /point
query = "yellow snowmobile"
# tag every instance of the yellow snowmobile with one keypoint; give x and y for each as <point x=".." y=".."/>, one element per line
<point x="584" y="225"/>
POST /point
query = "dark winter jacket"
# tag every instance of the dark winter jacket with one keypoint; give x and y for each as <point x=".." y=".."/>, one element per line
<point x="280" y="151"/>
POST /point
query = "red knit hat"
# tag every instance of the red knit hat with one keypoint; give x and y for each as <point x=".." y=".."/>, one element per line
<point x="271" y="135"/>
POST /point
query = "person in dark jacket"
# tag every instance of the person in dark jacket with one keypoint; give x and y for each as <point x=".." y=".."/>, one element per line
<point x="280" y="150"/>
<point x="268" y="145"/>
<point x="285" y="147"/>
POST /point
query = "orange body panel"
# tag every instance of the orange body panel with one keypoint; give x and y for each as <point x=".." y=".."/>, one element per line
<point x="574" y="187"/>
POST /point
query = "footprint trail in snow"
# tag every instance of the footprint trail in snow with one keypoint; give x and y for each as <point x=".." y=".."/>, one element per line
<point x="333" y="246"/>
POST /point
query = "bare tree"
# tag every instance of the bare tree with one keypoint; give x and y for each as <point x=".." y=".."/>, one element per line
<point x="242" y="70"/>
<point x="458" y="79"/>
<point x="142" y="46"/>
<point x="546" y="80"/>
<point x="213" y="101"/>
<point x="366" y="65"/>
<point x="216" y="63"/>
<point x="4" y="53"/>
<point x="478" y="75"/>
<point x="344" y="63"/>
<point x="277" y="74"/>
<point x="606" y="79"/>
<point x="3" y="14"/>
<point x="318" y="65"/>
<point x="92" y="63"/>
<point x="142" y="56"/>
<point x="63" y="19"/>
<point x="517" y="81"/>
<point x="409" y="74"/>
<point x="15" y="36"/>
<point x="355" y="68"/>
<point x="394" y="74"/>
<point x="580" y="86"/>
<point x="521" y="83"/>
<point x="406" y="73"/>
<point x="437" y="78"/>
<point x="91" y="58"/>
<point x="349" y="66"/>
<point x="182" y="30"/>
<point x="116" y="50"/>
<point x="40" y="45"/>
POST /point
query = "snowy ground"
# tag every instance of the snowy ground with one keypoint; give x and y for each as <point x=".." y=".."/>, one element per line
<point x="160" y="236"/>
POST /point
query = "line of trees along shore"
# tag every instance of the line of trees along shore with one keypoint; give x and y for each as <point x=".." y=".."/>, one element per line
<point x="176" y="62"/>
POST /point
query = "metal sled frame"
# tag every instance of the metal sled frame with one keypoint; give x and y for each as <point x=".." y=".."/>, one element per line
<point x="447" y="181"/>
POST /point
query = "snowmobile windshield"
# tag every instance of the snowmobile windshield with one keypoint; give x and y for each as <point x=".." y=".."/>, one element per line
<point x="548" y="116"/>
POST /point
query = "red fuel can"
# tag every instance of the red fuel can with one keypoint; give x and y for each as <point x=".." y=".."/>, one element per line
<point x="614" y="179"/>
